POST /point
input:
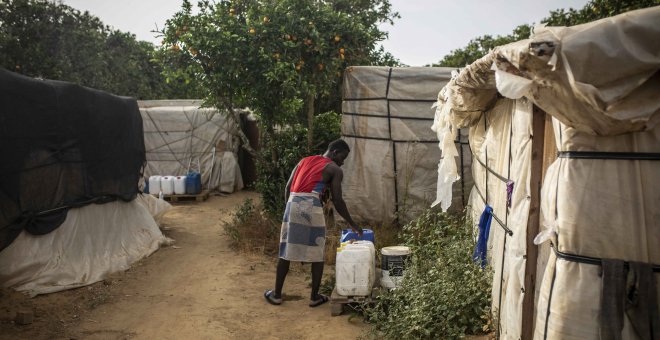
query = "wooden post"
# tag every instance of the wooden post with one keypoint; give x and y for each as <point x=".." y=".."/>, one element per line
<point x="538" y="136"/>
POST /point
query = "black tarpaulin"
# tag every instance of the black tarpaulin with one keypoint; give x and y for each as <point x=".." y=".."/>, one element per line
<point x="63" y="145"/>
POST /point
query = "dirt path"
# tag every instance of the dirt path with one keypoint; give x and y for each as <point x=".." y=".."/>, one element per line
<point x="197" y="289"/>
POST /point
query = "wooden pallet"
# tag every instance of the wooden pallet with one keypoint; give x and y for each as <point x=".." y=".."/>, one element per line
<point x="203" y="196"/>
<point x="337" y="302"/>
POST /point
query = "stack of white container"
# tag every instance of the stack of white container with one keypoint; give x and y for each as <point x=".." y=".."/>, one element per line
<point x="167" y="185"/>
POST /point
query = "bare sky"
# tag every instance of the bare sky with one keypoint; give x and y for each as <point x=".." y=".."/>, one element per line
<point x="427" y="30"/>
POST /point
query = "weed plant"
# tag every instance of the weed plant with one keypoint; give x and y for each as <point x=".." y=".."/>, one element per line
<point x="444" y="294"/>
<point x="252" y="230"/>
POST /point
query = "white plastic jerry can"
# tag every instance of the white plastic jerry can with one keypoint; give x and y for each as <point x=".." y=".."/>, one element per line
<point x="355" y="269"/>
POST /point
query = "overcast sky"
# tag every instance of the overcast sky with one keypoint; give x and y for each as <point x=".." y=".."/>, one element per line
<point x="427" y="30"/>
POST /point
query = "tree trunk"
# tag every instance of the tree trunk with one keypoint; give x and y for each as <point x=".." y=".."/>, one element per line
<point x="310" y="121"/>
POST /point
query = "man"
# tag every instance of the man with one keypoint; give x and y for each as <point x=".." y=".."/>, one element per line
<point x="302" y="237"/>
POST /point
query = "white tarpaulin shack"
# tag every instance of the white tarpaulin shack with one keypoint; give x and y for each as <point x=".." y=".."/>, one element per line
<point x="391" y="171"/>
<point x="580" y="115"/>
<point x="179" y="136"/>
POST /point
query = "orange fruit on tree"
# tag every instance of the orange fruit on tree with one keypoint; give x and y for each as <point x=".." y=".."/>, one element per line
<point x="337" y="38"/>
<point x="252" y="30"/>
<point x="341" y="50"/>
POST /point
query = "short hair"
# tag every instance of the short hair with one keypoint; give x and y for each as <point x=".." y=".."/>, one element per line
<point x="339" y="145"/>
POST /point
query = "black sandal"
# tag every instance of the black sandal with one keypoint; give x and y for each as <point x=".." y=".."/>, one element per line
<point x="268" y="295"/>
<point x="323" y="299"/>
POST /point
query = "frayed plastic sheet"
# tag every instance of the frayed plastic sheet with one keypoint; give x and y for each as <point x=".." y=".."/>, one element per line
<point x="511" y="85"/>
<point x="447" y="169"/>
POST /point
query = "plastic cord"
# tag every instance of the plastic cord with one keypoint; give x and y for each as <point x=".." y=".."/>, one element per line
<point x="632" y="156"/>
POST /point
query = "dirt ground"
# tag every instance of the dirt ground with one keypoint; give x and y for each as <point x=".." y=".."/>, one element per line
<point x="198" y="288"/>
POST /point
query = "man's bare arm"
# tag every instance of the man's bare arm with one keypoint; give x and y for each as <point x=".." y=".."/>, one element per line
<point x="336" y="175"/>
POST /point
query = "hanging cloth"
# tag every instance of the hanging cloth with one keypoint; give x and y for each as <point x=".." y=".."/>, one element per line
<point x="479" y="255"/>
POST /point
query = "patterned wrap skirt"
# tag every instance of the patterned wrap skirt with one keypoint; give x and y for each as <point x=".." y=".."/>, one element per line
<point x="302" y="237"/>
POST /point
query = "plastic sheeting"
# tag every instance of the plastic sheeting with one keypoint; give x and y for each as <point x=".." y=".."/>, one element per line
<point x="600" y="82"/>
<point x="63" y="145"/>
<point x="93" y="242"/>
<point x="600" y="208"/>
<point x="501" y="140"/>
<point x="392" y="168"/>
<point x="567" y="72"/>
<point x="180" y="136"/>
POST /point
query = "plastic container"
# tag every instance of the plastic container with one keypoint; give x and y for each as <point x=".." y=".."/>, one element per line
<point x="393" y="265"/>
<point x="154" y="185"/>
<point x="355" y="269"/>
<point x="180" y="185"/>
<point x="373" y="256"/>
<point x="193" y="183"/>
<point x="349" y="234"/>
<point x="167" y="185"/>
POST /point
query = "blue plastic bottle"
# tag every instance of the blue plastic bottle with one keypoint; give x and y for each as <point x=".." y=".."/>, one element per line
<point x="193" y="183"/>
<point x="349" y="234"/>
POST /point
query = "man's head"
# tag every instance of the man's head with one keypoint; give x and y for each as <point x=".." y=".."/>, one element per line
<point x="338" y="151"/>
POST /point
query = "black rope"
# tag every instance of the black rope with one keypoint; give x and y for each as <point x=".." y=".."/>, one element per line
<point x="381" y="116"/>
<point x="499" y="221"/>
<point x="390" y="140"/>
<point x="390" y="99"/>
<point x="500" y="177"/>
<point x="590" y="260"/>
<point x="486" y="165"/>
<point x="389" y="128"/>
<point x="458" y="139"/>
<point x="633" y="156"/>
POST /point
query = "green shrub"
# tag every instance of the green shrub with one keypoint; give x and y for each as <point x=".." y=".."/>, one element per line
<point x="444" y="294"/>
<point x="280" y="154"/>
<point x="250" y="230"/>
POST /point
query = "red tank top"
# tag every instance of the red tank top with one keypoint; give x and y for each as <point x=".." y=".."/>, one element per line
<point x="309" y="177"/>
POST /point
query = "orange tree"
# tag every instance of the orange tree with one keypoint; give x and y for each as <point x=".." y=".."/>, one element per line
<point x="277" y="57"/>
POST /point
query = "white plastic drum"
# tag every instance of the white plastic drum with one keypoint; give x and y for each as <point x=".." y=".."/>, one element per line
<point x="393" y="265"/>
<point x="167" y="185"/>
<point x="180" y="185"/>
<point x="154" y="185"/>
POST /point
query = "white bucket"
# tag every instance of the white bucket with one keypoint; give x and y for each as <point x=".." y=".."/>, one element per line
<point x="355" y="269"/>
<point x="180" y="185"/>
<point x="393" y="265"/>
<point x="154" y="185"/>
<point x="167" y="185"/>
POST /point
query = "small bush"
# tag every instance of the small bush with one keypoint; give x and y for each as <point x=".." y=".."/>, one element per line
<point x="444" y="294"/>
<point x="251" y="230"/>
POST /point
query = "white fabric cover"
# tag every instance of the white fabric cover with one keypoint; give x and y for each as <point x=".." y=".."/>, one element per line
<point x="600" y="82"/>
<point x="601" y="77"/>
<point x="596" y="208"/>
<point x="180" y="136"/>
<point x="94" y="241"/>
<point x="507" y="125"/>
